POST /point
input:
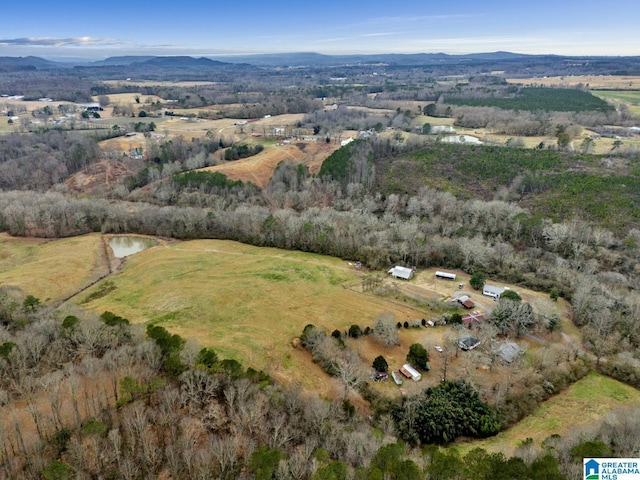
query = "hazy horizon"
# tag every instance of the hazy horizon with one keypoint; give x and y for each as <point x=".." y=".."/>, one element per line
<point x="198" y="28"/>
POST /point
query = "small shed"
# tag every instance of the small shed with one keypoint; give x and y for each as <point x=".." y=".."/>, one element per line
<point x="401" y="272"/>
<point x="492" y="291"/>
<point x="473" y="318"/>
<point x="396" y="378"/>
<point x="468" y="342"/>
<point x="466" y="302"/>
<point x="508" y="352"/>
<point x="446" y="275"/>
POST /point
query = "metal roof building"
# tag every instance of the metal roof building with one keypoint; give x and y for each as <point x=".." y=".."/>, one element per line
<point x="447" y="275"/>
<point x="492" y="291"/>
<point x="468" y="343"/>
<point x="401" y="272"/>
<point x="509" y="351"/>
<point x="410" y="372"/>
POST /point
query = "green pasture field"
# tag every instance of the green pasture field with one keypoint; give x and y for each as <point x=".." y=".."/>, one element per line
<point x="583" y="403"/>
<point x="51" y="270"/>
<point x="631" y="98"/>
<point x="246" y="302"/>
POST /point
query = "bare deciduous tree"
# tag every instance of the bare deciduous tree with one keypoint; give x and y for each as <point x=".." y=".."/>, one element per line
<point x="385" y="329"/>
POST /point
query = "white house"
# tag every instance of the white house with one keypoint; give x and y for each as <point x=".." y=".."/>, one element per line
<point x="493" y="291"/>
<point x="346" y="142"/>
<point x="410" y="372"/>
<point x="401" y="272"/>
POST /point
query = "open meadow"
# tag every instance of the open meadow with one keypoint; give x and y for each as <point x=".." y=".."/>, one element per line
<point x="259" y="168"/>
<point x="618" y="82"/>
<point x="246" y="302"/>
<point x="630" y="98"/>
<point x="51" y="270"/>
<point x="156" y="83"/>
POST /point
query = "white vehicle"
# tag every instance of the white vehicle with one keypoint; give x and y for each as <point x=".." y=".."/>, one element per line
<point x="438" y="348"/>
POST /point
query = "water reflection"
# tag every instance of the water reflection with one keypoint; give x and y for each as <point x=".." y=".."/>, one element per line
<point x="124" y="246"/>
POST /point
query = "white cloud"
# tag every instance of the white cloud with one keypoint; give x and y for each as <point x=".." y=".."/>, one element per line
<point x="58" y="42"/>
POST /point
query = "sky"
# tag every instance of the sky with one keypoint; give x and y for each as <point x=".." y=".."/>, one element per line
<point x="88" y="29"/>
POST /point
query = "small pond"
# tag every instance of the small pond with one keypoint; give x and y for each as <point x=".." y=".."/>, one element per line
<point x="123" y="246"/>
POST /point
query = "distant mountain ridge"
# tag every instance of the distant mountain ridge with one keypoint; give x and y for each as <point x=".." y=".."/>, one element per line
<point x="25" y="63"/>
<point x="123" y="60"/>
<point x="438" y="63"/>
<point x="312" y="58"/>
<point x="160" y="61"/>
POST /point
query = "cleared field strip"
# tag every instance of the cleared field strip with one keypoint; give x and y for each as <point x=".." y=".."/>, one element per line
<point x="629" y="98"/>
<point x="589" y="81"/>
<point x="583" y="403"/>
<point x="259" y="168"/>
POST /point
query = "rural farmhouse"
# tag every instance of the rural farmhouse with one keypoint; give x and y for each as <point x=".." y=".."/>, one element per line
<point x="493" y="291"/>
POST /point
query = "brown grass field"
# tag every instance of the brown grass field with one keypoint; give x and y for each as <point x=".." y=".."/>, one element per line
<point x="258" y="169"/>
<point x="51" y="269"/>
<point x="572" y="411"/>
<point x="630" y="82"/>
<point x="130" y="99"/>
<point x="154" y="83"/>
<point x="248" y="303"/>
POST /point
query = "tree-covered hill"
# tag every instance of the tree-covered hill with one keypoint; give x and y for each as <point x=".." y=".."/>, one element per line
<point x="540" y="99"/>
<point x="555" y="184"/>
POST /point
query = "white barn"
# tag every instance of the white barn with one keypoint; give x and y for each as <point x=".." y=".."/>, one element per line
<point x="401" y="272"/>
